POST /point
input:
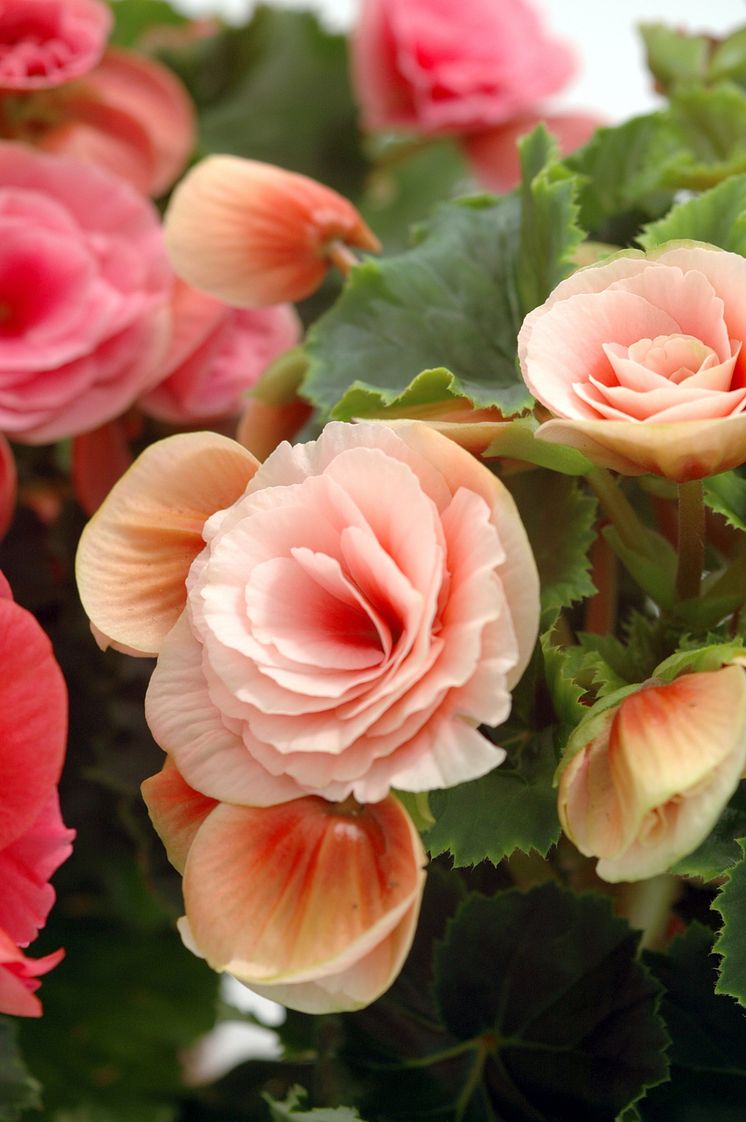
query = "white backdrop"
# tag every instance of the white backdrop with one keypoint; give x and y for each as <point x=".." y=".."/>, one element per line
<point x="611" y="80"/>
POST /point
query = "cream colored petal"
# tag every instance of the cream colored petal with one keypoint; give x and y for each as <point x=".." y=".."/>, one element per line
<point x="135" y="553"/>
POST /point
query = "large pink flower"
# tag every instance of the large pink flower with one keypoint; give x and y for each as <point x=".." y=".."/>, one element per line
<point x="311" y="903"/>
<point x="642" y="358"/>
<point x="84" y="295"/>
<point x="356" y="612"/>
<point x="437" y="67"/>
<point x="47" y="42"/>
<point x="217" y="353"/>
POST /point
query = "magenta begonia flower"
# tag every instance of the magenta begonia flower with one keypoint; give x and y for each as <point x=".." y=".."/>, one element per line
<point x="84" y="296"/>
<point x="434" y="66"/>
<point x="340" y="626"/>
<point x="641" y="359"/>
<point x="216" y="354"/>
<point x="44" y="43"/>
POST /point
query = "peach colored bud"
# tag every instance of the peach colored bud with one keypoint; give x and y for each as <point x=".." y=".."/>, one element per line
<point x="312" y="903"/>
<point x="253" y="234"/>
<point x="647" y="779"/>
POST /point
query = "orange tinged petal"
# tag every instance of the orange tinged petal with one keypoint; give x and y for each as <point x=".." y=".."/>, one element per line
<point x="135" y="553"/>
<point x="253" y="234"/>
<point x="176" y="810"/>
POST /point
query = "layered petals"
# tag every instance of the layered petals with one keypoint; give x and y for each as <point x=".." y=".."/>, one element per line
<point x="312" y="903"/>
<point x="44" y="43"/>
<point x="135" y="554"/>
<point x="19" y="978"/>
<point x="252" y="234"/>
<point x="641" y="360"/>
<point x="26" y="865"/>
<point x="651" y="775"/>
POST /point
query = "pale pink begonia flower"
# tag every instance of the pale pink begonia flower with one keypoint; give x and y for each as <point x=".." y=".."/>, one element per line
<point x="361" y="604"/>
<point x="253" y="234"/>
<point x="320" y="921"/>
<point x="84" y="295"/>
<point x="493" y="153"/>
<point x="641" y="360"/>
<point x="434" y="66"/>
<point x="44" y="43"/>
<point x="131" y="116"/>
<point x="216" y="354"/>
<point x="646" y="780"/>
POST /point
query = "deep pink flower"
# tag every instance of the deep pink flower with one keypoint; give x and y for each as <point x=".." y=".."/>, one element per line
<point x="19" y="978"/>
<point x="47" y="42"/>
<point x="217" y="353"/>
<point x="435" y="66"/>
<point x="84" y="295"/>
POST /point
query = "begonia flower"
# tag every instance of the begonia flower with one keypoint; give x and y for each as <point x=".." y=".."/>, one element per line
<point x="646" y="780"/>
<point x="252" y="234"/>
<point x="311" y="903"/>
<point x="493" y="153"/>
<point x="8" y="486"/>
<point x="433" y="66"/>
<point x="130" y="115"/>
<point x="641" y="360"/>
<point x="19" y="978"/>
<point x="216" y="354"/>
<point x="84" y="295"/>
<point x="44" y="43"/>
<point x="340" y="626"/>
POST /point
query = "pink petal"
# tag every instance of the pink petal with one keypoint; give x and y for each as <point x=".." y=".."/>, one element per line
<point x="25" y="868"/>
<point x="176" y="810"/>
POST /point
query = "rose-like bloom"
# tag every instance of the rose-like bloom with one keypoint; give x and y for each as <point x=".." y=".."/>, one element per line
<point x="311" y="903"/>
<point x="641" y="357"/>
<point x="647" y="779"/>
<point x="84" y="293"/>
<point x="252" y="234"/>
<point x="47" y="42"/>
<point x="438" y="67"/>
<point x="33" y="839"/>
<point x="130" y="115"/>
<point x="361" y="604"/>
<point x="493" y="153"/>
<point x="217" y="353"/>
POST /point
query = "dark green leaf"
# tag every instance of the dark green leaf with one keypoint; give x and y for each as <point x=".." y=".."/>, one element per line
<point x="726" y="493"/>
<point x="514" y="807"/>
<point x="292" y="1109"/>
<point x="731" y="945"/>
<point x="561" y="541"/>
<point x="450" y="301"/>
<point x="711" y="125"/>
<point x="18" y="1090"/>
<point x="567" y="1018"/>
<point x="708" y="1033"/>
<point x="717" y="216"/>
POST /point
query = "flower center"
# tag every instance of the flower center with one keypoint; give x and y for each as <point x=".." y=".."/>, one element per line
<point x="676" y="357"/>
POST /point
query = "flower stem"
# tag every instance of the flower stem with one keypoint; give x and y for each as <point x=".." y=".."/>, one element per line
<point x="691" y="539"/>
<point x="646" y="905"/>
<point x="600" y="610"/>
<point x="340" y="256"/>
<point x="617" y="507"/>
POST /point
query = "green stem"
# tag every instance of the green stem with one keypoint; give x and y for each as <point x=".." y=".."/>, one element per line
<point x="617" y="508"/>
<point x="691" y="540"/>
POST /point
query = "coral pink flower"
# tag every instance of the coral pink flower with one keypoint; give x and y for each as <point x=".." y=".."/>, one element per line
<point x="47" y="42"/>
<point x="84" y="294"/>
<point x="642" y="358"/>
<point x="647" y="779"/>
<point x="217" y="353"/>
<point x="438" y="67"/>
<point x="18" y="978"/>
<point x="26" y="865"/>
<point x="357" y="610"/>
<point x="252" y="234"/>
<point x="8" y="486"/>
<point x="493" y="153"/>
<point x="311" y="903"/>
<point x="130" y="115"/>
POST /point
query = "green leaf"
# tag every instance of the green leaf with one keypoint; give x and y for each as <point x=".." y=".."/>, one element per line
<point x="728" y="61"/>
<point x="624" y="170"/>
<point x="450" y="301"/>
<point x="561" y="542"/>
<point x="717" y="216"/>
<point x="514" y="807"/>
<point x="134" y="17"/>
<point x="430" y="388"/>
<point x="708" y="1033"/>
<point x="726" y="493"/>
<point x="18" y="1090"/>
<point x="674" y="57"/>
<point x="292" y="1109"/>
<point x="720" y="850"/>
<point x="515" y="440"/>
<point x="652" y="563"/>
<point x="550" y="233"/>
<point x="549" y="982"/>
<point x="730" y="944"/>
<point x="250" y="83"/>
<point x="711" y="125"/>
